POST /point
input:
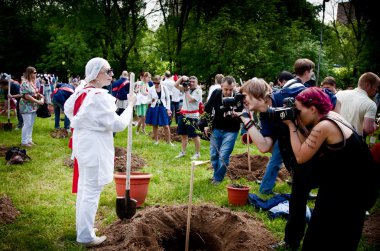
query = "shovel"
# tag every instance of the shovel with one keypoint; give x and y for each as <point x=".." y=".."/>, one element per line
<point x="8" y="126"/>
<point x="126" y="207"/>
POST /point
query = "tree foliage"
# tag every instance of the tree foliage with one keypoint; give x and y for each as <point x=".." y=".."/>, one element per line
<point x="241" y="38"/>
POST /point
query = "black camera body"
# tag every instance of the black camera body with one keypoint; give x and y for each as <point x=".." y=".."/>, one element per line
<point x="185" y="84"/>
<point x="235" y="103"/>
<point x="287" y="112"/>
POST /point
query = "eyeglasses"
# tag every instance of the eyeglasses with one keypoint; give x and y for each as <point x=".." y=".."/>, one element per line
<point x="109" y="72"/>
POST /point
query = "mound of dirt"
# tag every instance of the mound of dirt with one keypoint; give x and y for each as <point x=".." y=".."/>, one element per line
<point x="59" y="133"/>
<point x="121" y="160"/>
<point x="164" y="228"/>
<point x="173" y="134"/>
<point x="3" y="150"/>
<point x="238" y="168"/>
<point x="68" y="162"/>
<point x="8" y="212"/>
<point x="371" y="230"/>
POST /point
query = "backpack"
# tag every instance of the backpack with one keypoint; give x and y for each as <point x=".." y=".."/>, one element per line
<point x="16" y="155"/>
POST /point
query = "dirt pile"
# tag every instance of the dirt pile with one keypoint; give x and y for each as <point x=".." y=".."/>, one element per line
<point x="121" y="160"/>
<point x="173" y="134"/>
<point x="3" y="150"/>
<point x="8" y="212"/>
<point x="59" y="133"/>
<point x="164" y="228"/>
<point x="238" y="168"/>
<point x="371" y="230"/>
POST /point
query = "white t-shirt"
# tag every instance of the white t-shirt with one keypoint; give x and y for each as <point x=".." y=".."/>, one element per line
<point x="169" y="83"/>
<point x="192" y="106"/>
<point x="355" y="106"/>
<point x="211" y="89"/>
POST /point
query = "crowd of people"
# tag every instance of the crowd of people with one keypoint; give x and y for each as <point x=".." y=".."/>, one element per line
<point x="321" y="144"/>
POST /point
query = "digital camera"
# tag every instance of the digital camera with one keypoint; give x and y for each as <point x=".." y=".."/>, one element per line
<point x="287" y="112"/>
<point x="235" y="103"/>
<point x="185" y="84"/>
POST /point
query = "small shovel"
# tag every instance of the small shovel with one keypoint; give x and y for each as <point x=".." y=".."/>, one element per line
<point x="8" y="126"/>
<point x="126" y="207"/>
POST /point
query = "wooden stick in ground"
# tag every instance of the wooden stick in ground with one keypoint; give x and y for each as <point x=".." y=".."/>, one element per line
<point x="189" y="206"/>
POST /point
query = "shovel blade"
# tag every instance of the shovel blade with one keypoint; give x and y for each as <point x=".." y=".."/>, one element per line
<point x="125" y="207"/>
<point x="8" y="127"/>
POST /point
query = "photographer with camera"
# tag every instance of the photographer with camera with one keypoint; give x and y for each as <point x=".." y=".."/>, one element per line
<point x="225" y="125"/>
<point x="188" y="120"/>
<point x="258" y="98"/>
<point x="339" y="151"/>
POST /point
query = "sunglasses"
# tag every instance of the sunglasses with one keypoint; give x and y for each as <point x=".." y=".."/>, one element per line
<point x="109" y="72"/>
<point x="156" y="83"/>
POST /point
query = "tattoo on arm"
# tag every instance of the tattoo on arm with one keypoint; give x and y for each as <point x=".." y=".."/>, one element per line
<point x="311" y="140"/>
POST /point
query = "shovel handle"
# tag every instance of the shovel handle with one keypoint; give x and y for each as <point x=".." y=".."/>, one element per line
<point x="129" y="143"/>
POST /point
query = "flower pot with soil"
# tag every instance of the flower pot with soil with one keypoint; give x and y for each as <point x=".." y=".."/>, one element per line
<point x="237" y="194"/>
<point x="139" y="185"/>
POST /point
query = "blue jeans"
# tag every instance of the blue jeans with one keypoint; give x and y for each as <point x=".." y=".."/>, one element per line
<point x="221" y="145"/>
<point x="271" y="172"/>
<point x="57" y="116"/>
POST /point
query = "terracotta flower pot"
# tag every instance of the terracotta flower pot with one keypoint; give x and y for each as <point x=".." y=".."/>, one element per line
<point x="139" y="185"/>
<point x="237" y="194"/>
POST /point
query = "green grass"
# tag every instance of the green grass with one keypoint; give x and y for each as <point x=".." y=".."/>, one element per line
<point x="41" y="188"/>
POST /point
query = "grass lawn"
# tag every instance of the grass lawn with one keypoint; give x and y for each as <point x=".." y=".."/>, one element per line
<point x="41" y="188"/>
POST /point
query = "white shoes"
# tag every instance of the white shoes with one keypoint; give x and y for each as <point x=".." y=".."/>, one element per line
<point x="95" y="242"/>
<point x="156" y="143"/>
<point x="196" y="156"/>
<point x="171" y="144"/>
<point x="180" y="155"/>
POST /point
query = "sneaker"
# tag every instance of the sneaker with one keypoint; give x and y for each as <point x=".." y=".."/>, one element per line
<point x="180" y="155"/>
<point x="26" y="145"/>
<point x="171" y="144"/>
<point x="215" y="182"/>
<point x="137" y="133"/>
<point x="196" y="156"/>
<point x="96" y="242"/>
<point x="281" y="246"/>
<point x="32" y="143"/>
<point x="156" y="142"/>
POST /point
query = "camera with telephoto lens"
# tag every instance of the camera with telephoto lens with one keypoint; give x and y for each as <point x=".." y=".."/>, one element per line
<point x="287" y="112"/>
<point x="235" y="103"/>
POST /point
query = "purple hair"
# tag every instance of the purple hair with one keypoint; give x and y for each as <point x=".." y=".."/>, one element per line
<point x="316" y="97"/>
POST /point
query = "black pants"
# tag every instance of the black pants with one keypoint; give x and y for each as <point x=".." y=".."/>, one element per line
<point x="305" y="178"/>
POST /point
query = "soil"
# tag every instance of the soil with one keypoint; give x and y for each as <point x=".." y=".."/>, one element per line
<point x="173" y="134"/>
<point x="8" y="212"/>
<point x="3" y="150"/>
<point x="371" y="230"/>
<point x="59" y="133"/>
<point x="164" y="228"/>
<point x="120" y="161"/>
<point x="238" y="168"/>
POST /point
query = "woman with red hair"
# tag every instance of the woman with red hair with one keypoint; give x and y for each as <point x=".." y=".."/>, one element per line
<point x="336" y="223"/>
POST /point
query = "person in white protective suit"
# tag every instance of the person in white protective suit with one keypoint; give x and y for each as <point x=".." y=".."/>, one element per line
<point x="91" y="111"/>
